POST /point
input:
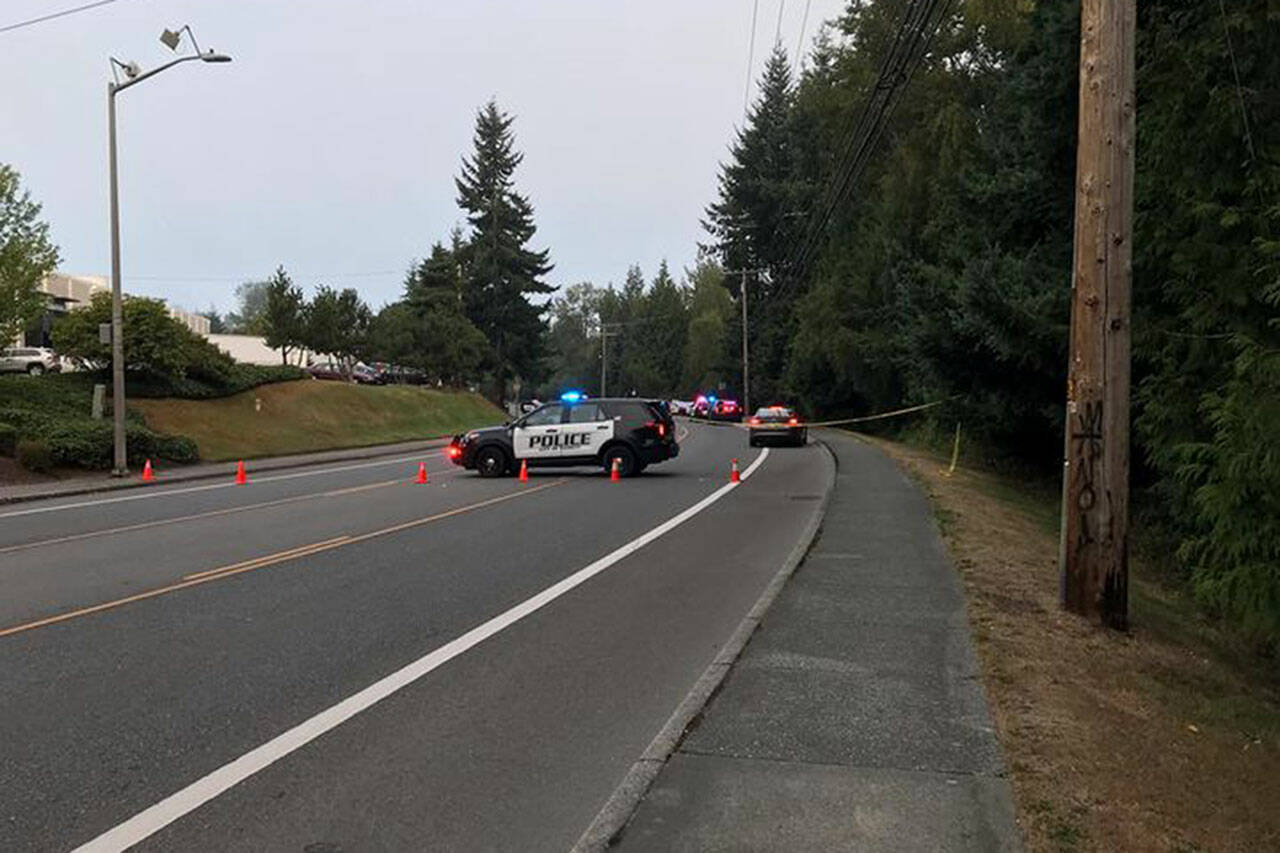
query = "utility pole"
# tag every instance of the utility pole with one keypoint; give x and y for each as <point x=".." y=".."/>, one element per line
<point x="605" y="334"/>
<point x="746" y="362"/>
<point x="1093" y="552"/>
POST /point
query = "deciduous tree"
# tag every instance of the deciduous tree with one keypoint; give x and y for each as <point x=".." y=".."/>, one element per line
<point x="27" y="255"/>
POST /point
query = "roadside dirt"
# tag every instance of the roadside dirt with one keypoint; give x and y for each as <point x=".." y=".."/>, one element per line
<point x="13" y="474"/>
<point x="1140" y="741"/>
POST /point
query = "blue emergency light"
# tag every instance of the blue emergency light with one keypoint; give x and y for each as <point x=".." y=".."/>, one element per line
<point x="572" y="397"/>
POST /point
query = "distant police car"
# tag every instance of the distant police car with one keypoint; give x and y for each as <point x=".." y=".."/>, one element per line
<point x="575" y="431"/>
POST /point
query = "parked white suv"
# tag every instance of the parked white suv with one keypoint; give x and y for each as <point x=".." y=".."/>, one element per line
<point x="32" y="360"/>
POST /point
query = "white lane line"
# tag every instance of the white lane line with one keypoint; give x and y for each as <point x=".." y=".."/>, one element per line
<point x="153" y="819"/>
<point x="162" y="492"/>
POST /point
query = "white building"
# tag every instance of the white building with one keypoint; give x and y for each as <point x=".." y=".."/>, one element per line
<point x="252" y="349"/>
<point x="67" y="292"/>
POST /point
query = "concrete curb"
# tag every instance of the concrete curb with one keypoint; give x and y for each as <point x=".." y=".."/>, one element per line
<point x="268" y="463"/>
<point x="613" y="817"/>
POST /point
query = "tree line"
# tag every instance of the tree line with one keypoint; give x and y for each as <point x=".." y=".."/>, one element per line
<point x="947" y="274"/>
<point x="662" y="338"/>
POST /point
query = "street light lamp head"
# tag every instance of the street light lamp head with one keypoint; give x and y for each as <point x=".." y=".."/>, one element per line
<point x="170" y="39"/>
<point x="214" y="57"/>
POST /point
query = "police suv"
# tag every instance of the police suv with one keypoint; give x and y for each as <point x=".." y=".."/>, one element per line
<point x="574" y="431"/>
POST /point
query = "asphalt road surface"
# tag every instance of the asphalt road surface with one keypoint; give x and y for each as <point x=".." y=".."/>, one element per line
<point x="337" y="658"/>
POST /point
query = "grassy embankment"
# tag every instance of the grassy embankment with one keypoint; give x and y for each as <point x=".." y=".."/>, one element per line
<point x="304" y="416"/>
<point x="1164" y="738"/>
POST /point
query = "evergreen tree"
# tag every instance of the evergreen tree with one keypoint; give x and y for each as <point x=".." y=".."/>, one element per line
<point x="282" y="317"/>
<point x="708" y="349"/>
<point x="251" y="302"/>
<point x="667" y="308"/>
<point x="500" y="272"/>
<point x="753" y="224"/>
<point x="446" y="344"/>
<point x="574" y="340"/>
<point x="756" y="222"/>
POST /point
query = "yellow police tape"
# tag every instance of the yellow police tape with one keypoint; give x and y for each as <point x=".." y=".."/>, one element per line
<point x="879" y="416"/>
<point x="857" y="420"/>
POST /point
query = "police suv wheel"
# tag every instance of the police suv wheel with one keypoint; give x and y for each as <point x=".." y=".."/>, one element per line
<point x="627" y="463"/>
<point x="35" y="369"/>
<point x="491" y="462"/>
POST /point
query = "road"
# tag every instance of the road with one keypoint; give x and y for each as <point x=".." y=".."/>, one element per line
<point x="337" y="658"/>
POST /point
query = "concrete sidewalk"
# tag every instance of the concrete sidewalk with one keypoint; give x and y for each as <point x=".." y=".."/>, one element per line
<point x="854" y="718"/>
<point x="104" y="482"/>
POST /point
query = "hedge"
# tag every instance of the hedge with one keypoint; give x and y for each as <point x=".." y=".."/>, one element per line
<point x="194" y="386"/>
<point x="55" y="410"/>
<point x="8" y="439"/>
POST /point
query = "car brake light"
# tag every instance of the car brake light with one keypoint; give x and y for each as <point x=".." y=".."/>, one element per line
<point x="794" y="421"/>
<point x="454" y="450"/>
<point x="659" y="426"/>
<point x="755" y="422"/>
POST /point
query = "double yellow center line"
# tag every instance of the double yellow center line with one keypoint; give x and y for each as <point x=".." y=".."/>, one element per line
<point x="269" y="560"/>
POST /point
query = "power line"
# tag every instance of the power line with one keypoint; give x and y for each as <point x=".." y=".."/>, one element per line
<point x="777" y="36"/>
<point x="751" y="49"/>
<point x="900" y="62"/>
<point x="40" y="20"/>
<point x="1235" y="71"/>
<point x="804" y="22"/>
<point x="257" y="276"/>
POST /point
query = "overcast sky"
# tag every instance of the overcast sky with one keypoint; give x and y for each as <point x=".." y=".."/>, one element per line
<point x="330" y="144"/>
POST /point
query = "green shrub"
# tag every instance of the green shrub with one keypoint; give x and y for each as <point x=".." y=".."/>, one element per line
<point x="56" y="408"/>
<point x="153" y="340"/>
<point x="66" y="394"/>
<point x="34" y="455"/>
<point x="90" y="444"/>
<point x="8" y="439"/>
<point x="197" y="385"/>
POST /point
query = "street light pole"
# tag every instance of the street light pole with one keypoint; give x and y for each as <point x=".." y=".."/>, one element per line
<point x="120" y="464"/>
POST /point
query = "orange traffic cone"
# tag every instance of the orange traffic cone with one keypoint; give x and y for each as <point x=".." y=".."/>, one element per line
<point x="147" y="476"/>
<point x="734" y="477"/>
<point x="615" y="474"/>
<point x="524" y="470"/>
<point x="422" y="472"/>
<point x="241" y="479"/>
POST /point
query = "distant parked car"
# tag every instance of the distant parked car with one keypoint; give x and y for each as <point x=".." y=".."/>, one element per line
<point x="725" y="410"/>
<point x="681" y="407"/>
<point x="363" y="374"/>
<point x="327" y="370"/>
<point x="30" y="360"/>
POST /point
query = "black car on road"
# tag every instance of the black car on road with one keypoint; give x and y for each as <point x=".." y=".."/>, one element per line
<point x="574" y="431"/>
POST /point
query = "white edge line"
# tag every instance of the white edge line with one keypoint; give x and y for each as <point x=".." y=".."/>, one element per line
<point x="162" y="492"/>
<point x="151" y="820"/>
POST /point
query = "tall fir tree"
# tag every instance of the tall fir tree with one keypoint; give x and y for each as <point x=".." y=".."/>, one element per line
<point x="500" y="272"/>
<point x="753" y="223"/>
<point x="756" y="222"/>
